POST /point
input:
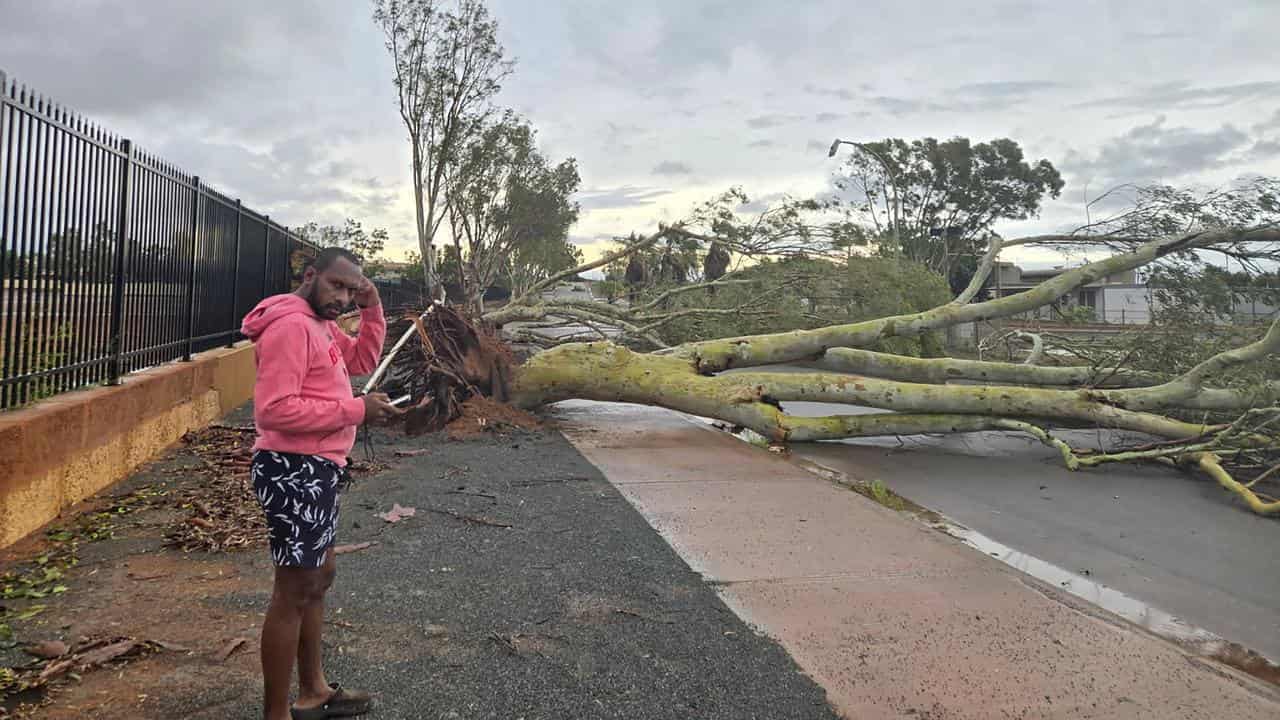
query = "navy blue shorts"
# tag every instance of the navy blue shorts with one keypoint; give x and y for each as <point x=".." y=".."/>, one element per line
<point x="299" y="494"/>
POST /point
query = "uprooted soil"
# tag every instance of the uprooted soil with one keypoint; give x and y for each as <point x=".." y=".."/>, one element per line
<point x="482" y="416"/>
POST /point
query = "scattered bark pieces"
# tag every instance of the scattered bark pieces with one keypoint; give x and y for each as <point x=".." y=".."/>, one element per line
<point x="230" y="648"/>
<point x="107" y="652"/>
<point x="221" y="512"/>
<point x="86" y="656"/>
<point x="357" y="547"/>
<point x="398" y="513"/>
<point x="49" y="649"/>
<point x="171" y="647"/>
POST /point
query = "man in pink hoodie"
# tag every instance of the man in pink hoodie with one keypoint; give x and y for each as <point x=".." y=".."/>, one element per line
<point x="306" y="416"/>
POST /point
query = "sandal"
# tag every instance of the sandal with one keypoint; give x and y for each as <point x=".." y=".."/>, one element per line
<point x="342" y="703"/>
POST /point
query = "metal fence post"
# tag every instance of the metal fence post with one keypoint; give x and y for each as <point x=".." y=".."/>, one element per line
<point x="118" y="269"/>
<point x="191" y="277"/>
<point x="288" y="262"/>
<point x="235" y="278"/>
<point x="266" y="256"/>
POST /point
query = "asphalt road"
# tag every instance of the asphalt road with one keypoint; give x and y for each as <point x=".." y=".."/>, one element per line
<point x="1175" y="541"/>
<point x="566" y="291"/>
<point x="577" y="610"/>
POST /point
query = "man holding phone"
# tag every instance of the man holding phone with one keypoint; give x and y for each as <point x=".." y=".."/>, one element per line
<point x="306" y="416"/>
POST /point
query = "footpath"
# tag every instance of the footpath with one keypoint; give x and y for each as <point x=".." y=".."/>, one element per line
<point x="894" y="619"/>
<point x="529" y="582"/>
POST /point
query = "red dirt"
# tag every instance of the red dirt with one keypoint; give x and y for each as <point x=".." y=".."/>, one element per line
<point x="482" y="416"/>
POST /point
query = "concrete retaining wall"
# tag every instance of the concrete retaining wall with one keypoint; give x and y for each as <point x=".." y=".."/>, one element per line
<point x="71" y="446"/>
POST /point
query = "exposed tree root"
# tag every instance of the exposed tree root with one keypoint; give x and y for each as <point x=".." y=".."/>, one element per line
<point x="445" y="361"/>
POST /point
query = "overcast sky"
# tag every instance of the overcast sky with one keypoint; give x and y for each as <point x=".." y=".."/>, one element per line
<point x="288" y="104"/>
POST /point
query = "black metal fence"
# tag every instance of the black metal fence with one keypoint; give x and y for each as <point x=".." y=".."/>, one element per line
<point x="113" y="260"/>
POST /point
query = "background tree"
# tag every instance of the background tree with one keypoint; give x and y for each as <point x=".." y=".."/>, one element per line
<point x="350" y="236"/>
<point x="449" y="65"/>
<point x="505" y="197"/>
<point x="933" y="201"/>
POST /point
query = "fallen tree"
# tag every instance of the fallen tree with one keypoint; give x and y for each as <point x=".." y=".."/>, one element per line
<point x="1224" y="432"/>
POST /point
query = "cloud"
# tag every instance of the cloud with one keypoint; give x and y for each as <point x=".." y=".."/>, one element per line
<point x="818" y="145"/>
<point x="762" y="203"/>
<point x="1265" y="149"/>
<point x="1157" y="151"/>
<point x="621" y="197"/>
<point x="1180" y="95"/>
<point x="765" y="122"/>
<point x="1005" y="89"/>
<point x="672" y="167"/>
<point x="835" y="92"/>
<point x="909" y="106"/>
<point x="761" y="144"/>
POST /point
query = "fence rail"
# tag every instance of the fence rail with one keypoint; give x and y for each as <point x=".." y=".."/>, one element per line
<point x="1241" y="315"/>
<point x="114" y="260"/>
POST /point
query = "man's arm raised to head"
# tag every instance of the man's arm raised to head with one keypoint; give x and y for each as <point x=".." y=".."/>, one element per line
<point x="362" y="353"/>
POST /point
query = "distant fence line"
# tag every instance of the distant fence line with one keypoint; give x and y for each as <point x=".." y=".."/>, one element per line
<point x="114" y="260"/>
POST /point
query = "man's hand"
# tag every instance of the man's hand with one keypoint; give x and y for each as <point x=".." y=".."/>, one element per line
<point x="378" y="408"/>
<point x="367" y="295"/>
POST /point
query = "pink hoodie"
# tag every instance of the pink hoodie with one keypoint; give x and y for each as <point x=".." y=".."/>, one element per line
<point x="302" y="400"/>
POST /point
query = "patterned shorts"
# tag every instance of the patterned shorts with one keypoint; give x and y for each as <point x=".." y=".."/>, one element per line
<point x="299" y="494"/>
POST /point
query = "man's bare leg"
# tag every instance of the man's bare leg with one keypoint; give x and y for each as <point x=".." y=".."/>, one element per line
<point x="313" y="688"/>
<point x="295" y="590"/>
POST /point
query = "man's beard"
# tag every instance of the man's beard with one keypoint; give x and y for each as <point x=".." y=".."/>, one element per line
<point x="330" y="311"/>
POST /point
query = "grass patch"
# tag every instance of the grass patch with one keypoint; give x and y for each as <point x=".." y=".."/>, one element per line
<point x="881" y="493"/>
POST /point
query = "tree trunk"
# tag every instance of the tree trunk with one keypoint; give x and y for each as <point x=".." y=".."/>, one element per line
<point x="424" y="239"/>
<point x="603" y="371"/>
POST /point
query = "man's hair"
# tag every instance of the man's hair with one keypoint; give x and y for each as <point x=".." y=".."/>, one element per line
<point x="330" y="255"/>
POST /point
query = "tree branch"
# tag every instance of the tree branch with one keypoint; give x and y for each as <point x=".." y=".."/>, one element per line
<point x="716" y="355"/>
<point x="941" y="370"/>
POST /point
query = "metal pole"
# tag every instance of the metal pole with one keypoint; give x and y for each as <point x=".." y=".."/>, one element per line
<point x="191" y="277"/>
<point x="235" y="279"/>
<point x="266" y="256"/>
<point x="117" y="285"/>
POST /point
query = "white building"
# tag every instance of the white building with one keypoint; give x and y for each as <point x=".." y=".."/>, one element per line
<point x="1120" y="299"/>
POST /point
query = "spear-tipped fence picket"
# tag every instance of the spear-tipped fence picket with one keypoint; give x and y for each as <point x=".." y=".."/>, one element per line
<point x="112" y="259"/>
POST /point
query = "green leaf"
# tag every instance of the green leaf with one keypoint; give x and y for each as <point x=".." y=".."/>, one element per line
<point x="30" y="612"/>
